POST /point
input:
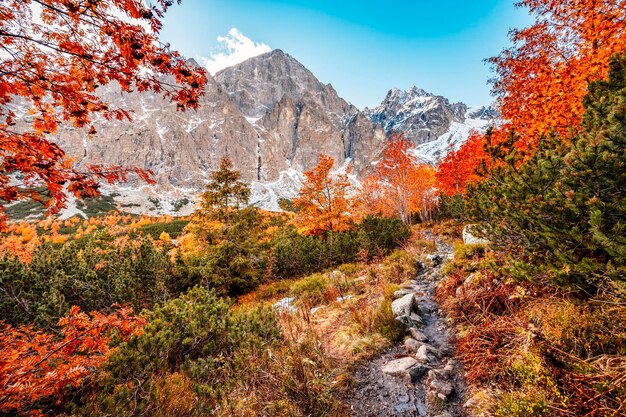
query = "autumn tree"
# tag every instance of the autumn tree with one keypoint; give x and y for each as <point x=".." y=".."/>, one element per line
<point x="459" y="167"/>
<point x="324" y="203"/>
<point x="37" y="368"/>
<point x="563" y="210"/>
<point x="542" y="79"/>
<point x="400" y="184"/>
<point x="55" y="55"/>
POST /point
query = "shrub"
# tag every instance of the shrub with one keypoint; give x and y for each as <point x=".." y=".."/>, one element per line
<point x="296" y="255"/>
<point x="197" y="335"/>
<point x="465" y="252"/>
<point x="311" y="291"/>
<point x="174" y="228"/>
<point x="383" y="234"/>
<point x="93" y="273"/>
<point x="522" y="404"/>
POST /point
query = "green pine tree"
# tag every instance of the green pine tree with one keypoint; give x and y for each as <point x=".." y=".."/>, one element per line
<point x="563" y="210"/>
<point x="225" y="189"/>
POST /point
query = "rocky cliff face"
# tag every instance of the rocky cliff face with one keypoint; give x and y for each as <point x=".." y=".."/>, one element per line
<point x="272" y="117"/>
<point x="297" y="116"/>
<point x="431" y="122"/>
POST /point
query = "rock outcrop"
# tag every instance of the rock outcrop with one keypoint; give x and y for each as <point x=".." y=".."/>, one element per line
<point x="269" y="114"/>
<point x="432" y="122"/>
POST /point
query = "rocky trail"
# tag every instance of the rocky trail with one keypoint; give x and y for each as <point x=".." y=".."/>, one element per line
<point x="419" y="377"/>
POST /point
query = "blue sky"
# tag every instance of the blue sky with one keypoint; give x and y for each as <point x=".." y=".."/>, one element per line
<point x="362" y="48"/>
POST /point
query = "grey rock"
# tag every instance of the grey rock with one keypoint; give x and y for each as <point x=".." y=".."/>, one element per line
<point x="269" y="114"/>
<point x="415" y="319"/>
<point x="404" y="398"/>
<point x="403" y="306"/>
<point x="412" y="345"/>
<point x="469" y="237"/>
<point x="405" y="320"/>
<point x="426" y="353"/>
<point x="442" y="387"/>
<point x="441" y="374"/>
<point x="417" y="371"/>
<point x="399" y="368"/>
<point x="417" y="335"/>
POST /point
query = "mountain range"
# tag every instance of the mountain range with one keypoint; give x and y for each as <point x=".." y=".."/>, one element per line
<point x="272" y="117"/>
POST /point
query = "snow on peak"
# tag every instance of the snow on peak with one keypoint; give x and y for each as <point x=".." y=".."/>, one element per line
<point x="233" y="48"/>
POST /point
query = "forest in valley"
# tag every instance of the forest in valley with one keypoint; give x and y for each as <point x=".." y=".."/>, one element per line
<point x="238" y="311"/>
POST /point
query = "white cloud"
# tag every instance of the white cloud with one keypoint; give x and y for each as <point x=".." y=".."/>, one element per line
<point x="233" y="49"/>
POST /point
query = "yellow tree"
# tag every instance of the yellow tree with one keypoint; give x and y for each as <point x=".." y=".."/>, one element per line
<point x="324" y="203"/>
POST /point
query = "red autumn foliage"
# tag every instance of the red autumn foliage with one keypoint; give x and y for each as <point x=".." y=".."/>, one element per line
<point x="458" y="168"/>
<point x="541" y="80"/>
<point x="400" y="184"/>
<point x="36" y="366"/>
<point x="55" y="54"/>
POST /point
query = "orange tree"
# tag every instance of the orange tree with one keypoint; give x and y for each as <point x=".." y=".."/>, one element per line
<point x="55" y="54"/>
<point x="400" y="184"/>
<point x="541" y="80"/>
<point x="324" y="204"/>
<point x="37" y="368"/>
<point x="458" y="168"/>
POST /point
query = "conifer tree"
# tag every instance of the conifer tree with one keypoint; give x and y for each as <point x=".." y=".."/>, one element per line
<point x="225" y="189"/>
<point x="565" y="207"/>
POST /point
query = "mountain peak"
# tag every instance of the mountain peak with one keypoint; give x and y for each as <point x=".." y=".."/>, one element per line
<point x="257" y="84"/>
<point x="419" y="92"/>
<point x="402" y="96"/>
<point x="193" y="63"/>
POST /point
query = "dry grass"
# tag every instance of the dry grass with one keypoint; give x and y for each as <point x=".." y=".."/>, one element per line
<point x="531" y="351"/>
<point x="347" y="311"/>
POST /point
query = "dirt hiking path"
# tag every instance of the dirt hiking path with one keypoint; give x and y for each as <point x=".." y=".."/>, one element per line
<point x="419" y="377"/>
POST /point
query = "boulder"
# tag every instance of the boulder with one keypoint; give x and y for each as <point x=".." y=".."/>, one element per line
<point x="441" y="388"/>
<point x="417" y="371"/>
<point x="412" y="345"/>
<point x="403" y="306"/>
<point x="469" y="238"/>
<point x="399" y="368"/>
<point x="426" y="353"/>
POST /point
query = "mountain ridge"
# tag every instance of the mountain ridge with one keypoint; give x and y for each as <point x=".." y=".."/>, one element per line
<point x="272" y="117"/>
